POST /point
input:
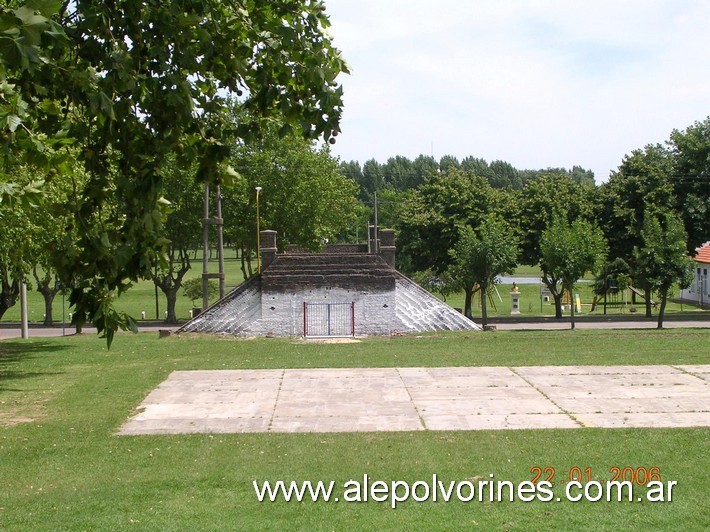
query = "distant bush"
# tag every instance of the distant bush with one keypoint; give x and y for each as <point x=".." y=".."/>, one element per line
<point x="192" y="289"/>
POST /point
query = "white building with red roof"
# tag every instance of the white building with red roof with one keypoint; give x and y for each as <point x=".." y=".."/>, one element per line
<point x="699" y="291"/>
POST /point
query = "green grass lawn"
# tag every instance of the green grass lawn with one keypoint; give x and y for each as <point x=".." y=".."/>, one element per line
<point x="63" y="467"/>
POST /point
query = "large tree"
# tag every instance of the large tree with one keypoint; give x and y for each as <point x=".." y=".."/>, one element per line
<point x="304" y="196"/>
<point x="131" y="82"/>
<point x="373" y="176"/>
<point x="481" y="256"/>
<point x="640" y="184"/>
<point x="691" y="180"/>
<point x="15" y="256"/>
<point x="662" y="259"/>
<point x="569" y="251"/>
<point x="434" y="215"/>
<point x="544" y="199"/>
<point x="52" y="232"/>
<point x="182" y="230"/>
<point x="28" y="231"/>
<point x="639" y="187"/>
<point x="399" y="173"/>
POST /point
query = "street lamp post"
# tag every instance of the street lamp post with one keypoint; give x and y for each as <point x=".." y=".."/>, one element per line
<point x="258" y="236"/>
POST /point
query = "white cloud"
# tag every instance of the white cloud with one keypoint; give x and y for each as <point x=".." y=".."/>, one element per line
<point x="536" y="83"/>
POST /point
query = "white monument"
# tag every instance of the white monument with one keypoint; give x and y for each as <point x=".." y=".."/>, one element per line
<point x="515" y="301"/>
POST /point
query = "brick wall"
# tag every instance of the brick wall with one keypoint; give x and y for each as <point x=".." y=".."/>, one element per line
<point x="282" y="313"/>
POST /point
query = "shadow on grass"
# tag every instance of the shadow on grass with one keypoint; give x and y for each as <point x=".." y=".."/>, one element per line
<point x="14" y="353"/>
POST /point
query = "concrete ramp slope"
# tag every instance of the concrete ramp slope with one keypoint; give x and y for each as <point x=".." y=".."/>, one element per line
<point x="420" y="311"/>
<point x="234" y="314"/>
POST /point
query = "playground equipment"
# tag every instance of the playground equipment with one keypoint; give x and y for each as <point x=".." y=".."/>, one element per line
<point x="641" y="295"/>
<point x="614" y="293"/>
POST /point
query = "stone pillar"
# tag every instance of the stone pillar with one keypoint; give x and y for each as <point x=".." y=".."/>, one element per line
<point x="268" y="247"/>
<point x="387" y="247"/>
<point x="515" y="303"/>
<point x="372" y="239"/>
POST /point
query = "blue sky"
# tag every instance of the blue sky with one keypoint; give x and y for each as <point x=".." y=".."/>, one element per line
<point x="537" y="83"/>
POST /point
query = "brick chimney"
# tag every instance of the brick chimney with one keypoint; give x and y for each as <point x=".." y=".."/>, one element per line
<point x="268" y="248"/>
<point x="387" y="247"/>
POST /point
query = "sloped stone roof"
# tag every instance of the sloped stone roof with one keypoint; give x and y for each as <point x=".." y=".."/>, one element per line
<point x="420" y="311"/>
<point x="233" y="314"/>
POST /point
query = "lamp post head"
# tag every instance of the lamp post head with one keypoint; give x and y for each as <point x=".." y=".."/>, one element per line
<point x="258" y="189"/>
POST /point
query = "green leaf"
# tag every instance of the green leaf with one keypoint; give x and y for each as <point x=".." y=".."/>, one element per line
<point x="33" y="25"/>
<point x="13" y="122"/>
<point x="45" y="7"/>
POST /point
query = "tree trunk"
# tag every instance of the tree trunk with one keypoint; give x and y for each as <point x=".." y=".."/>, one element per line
<point x="571" y="307"/>
<point x="647" y="294"/>
<point x="557" y="298"/>
<point x="467" y="302"/>
<point x="484" y="310"/>
<point x="48" y="290"/>
<point x="48" y="300"/>
<point x="170" y="281"/>
<point x="171" y="297"/>
<point x="662" y="309"/>
<point x="10" y="293"/>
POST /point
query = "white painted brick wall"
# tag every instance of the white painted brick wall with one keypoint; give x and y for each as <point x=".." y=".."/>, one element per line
<point x="282" y="313"/>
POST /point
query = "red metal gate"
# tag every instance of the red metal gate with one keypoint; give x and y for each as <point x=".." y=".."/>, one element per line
<point x="328" y="319"/>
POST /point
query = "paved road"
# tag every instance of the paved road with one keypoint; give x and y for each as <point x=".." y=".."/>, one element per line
<point x="581" y="324"/>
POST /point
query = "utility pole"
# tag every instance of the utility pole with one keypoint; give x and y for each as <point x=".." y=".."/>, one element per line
<point x="377" y="233"/>
<point x="157" y="307"/>
<point x="208" y="220"/>
<point x="23" y="304"/>
<point x="258" y="234"/>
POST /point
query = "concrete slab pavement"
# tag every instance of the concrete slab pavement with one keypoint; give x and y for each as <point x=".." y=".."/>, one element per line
<point x="412" y="399"/>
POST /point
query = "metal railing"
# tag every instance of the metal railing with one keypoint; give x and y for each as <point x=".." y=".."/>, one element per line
<point x="328" y="319"/>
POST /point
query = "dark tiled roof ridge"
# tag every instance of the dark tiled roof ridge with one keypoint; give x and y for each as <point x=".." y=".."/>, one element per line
<point x="348" y="271"/>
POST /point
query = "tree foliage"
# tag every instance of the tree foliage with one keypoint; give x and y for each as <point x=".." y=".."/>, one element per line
<point x="569" y="251"/>
<point x="480" y="256"/>
<point x="691" y="180"/>
<point x="15" y="256"/>
<point x="305" y="197"/>
<point x="549" y="197"/>
<point x="192" y="289"/>
<point x="641" y="184"/>
<point x="131" y="82"/>
<point x="182" y="230"/>
<point x="662" y="259"/>
<point x="436" y="213"/>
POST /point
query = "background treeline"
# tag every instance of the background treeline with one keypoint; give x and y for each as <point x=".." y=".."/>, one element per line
<point x="400" y="173"/>
<point x="459" y="223"/>
<point x="651" y="214"/>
